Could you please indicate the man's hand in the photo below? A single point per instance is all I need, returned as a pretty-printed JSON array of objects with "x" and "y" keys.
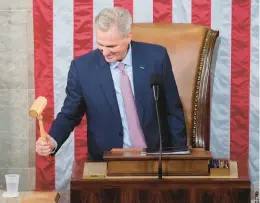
[{"x": 45, "y": 148}]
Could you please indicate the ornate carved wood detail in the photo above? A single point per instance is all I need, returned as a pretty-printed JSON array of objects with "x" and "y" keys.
[
  {"x": 201, "y": 109},
  {"x": 222, "y": 195},
  {"x": 96, "y": 196}
]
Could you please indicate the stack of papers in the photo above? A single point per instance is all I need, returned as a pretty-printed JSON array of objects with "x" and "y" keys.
[{"x": 176, "y": 150}]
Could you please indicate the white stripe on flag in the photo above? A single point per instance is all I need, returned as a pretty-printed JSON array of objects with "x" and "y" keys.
[
  {"x": 98, "y": 5},
  {"x": 142, "y": 11},
  {"x": 62, "y": 56},
  {"x": 254, "y": 99},
  {"x": 221, "y": 80},
  {"x": 181, "y": 11}
]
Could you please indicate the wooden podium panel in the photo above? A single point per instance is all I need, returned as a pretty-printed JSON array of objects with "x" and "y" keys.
[
  {"x": 152, "y": 190},
  {"x": 133, "y": 163}
]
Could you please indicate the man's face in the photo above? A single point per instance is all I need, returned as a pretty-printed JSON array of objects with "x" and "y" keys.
[{"x": 112, "y": 45}]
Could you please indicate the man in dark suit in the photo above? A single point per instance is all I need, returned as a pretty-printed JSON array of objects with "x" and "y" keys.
[{"x": 111, "y": 85}]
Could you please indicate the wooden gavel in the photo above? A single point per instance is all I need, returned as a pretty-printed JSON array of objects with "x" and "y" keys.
[{"x": 36, "y": 112}]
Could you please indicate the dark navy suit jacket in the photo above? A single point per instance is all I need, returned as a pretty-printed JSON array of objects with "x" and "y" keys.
[{"x": 90, "y": 90}]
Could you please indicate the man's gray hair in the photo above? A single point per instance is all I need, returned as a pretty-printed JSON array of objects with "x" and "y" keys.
[{"x": 114, "y": 16}]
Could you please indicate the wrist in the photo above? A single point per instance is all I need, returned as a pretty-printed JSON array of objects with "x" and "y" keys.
[{"x": 54, "y": 147}]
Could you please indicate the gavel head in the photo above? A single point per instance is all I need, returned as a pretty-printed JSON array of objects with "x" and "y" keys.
[{"x": 37, "y": 107}]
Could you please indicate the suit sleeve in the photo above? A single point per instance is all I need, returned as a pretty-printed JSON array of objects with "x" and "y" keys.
[
  {"x": 176, "y": 119},
  {"x": 72, "y": 110}
]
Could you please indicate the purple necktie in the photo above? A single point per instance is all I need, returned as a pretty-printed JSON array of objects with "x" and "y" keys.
[{"x": 134, "y": 127}]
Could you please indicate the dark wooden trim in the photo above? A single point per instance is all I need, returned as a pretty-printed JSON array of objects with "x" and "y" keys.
[
  {"x": 242, "y": 182},
  {"x": 156, "y": 190},
  {"x": 201, "y": 120}
]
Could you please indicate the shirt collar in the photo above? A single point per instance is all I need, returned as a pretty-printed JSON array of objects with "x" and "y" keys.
[{"x": 127, "y": 60}]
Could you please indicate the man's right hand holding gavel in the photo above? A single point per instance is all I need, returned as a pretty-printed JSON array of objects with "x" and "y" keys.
[{"x": 45, "y": 148}]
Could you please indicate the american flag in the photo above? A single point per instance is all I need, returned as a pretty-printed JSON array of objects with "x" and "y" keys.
[{"x": 63, "y": 30}]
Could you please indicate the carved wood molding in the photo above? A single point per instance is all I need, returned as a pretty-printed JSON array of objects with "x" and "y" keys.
[{"x": 200, "y": 123}]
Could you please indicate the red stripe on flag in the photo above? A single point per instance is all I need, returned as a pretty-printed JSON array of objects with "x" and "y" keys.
[
  {"x": 127, "y": 4},
  {"x": 162, "y": 11},
  {"x": 201, "y": 12},
  {"x": 43, "y": 63},
  {"x": 83, "y": 43},
  {"x": 240, "y": 84}
]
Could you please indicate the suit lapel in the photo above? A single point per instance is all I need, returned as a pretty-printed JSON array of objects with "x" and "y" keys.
[
  {"x": 107, "y": 85},
  {"x": 139, "y": 74}
]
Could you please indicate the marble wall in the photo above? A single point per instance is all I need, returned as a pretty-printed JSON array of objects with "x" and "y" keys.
[{"x": 17, "y": 129}]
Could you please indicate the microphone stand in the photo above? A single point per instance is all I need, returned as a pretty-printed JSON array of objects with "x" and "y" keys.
[{"x": 156, "y": 96}]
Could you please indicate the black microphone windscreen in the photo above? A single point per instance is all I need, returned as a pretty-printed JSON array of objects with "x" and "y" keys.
[{"x": 156, "y": 79}]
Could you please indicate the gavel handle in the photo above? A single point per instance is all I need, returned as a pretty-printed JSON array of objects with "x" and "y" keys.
[{"x": 42, "y": 131}]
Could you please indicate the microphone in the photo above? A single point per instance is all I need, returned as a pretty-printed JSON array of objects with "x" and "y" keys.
[{"x": 156, "y": 84}]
